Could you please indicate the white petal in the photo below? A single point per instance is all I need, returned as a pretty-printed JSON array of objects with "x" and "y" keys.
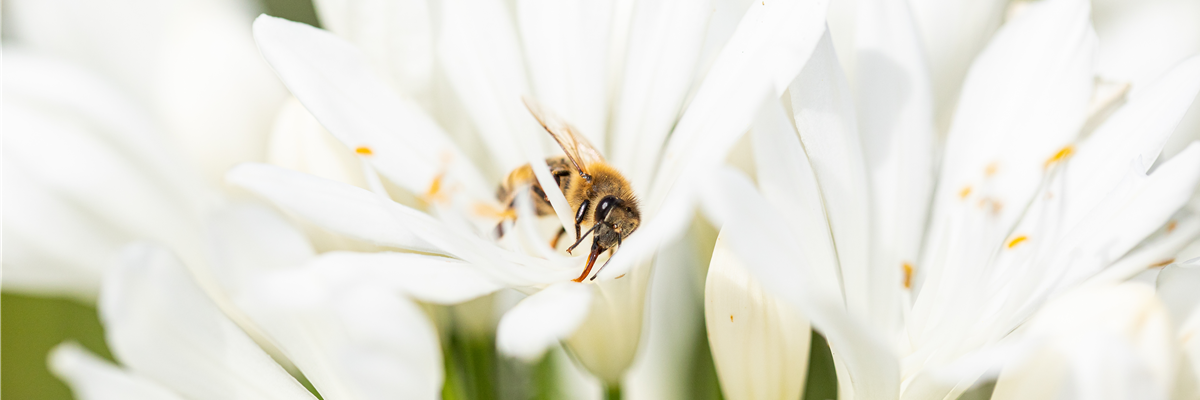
[
  {"x": 1135, "y": 132},
  {"x": 395, "y": 36},
  {"x": 760, "y": 344},
  {"x": 823, "y": 106},
  {"x": 245, "y": 240},
  {"x": 298, "y": 142},
  {"x": 542, "y": 319},
  {"x": 786, "y": 181},
  {"x": 1177, "y": 285},
  {"x": 1001, "y": 141},
  {"x": 332, "y": 80},
  {"x": 357, "y": 341},
  {"x": 1100, "y": 342},
  {"x": 161, "y": 325},
  {"x": 566, "y": 48},
  {"x": 335, "y": 206},
  {"x": 773, "y": 255},
  {"x": 894, "y": 102},
  {"x": 952, "y": 34},
  {"x": 655, "y": 75},
  {"x": 608, "y": 338},
  {"x": 212, "y": 89},
  {"x": 766, "y": 52},
  {"x": 437, "y": 280},
  {"x": 92, "y": 378},
  {"x": 480, "y": 52},
  {"x": 1139, "y": 40}
]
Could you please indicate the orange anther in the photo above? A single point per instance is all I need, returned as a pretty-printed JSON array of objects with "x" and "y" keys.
[
  {"x": 1062, "y": 154},
  {"x": 908, "y": 274},
  {"x": 1017, "y": 240},
  {"x": 363, "y": 151}
]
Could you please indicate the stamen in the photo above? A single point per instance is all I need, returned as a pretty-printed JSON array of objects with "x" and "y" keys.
[
  {"x": 730, "y": 317},
  {"x": 908, "y": 274},
  {"x": 1017, "y": 240},
  {"x": 363, "y": 151},
  {"x": 435, "y": 188},
  {"x": 1062, "y": 154},
  {"x": 1171, "y": 226},
  {"x": 964, "y": 192},
  {"x": 1162, "y": 263}
]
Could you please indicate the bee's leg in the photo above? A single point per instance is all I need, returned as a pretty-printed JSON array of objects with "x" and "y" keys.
[
  {"x": 596, "y": 250},
  {"x": 589, "y": 231},
  {"x": 579, "y": 216},
  {"x": 499, "y": 232},
  {"x": 554, "y": 242}
]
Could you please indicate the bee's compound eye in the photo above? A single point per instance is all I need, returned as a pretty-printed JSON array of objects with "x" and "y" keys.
[{"x": 604, "y": 207}]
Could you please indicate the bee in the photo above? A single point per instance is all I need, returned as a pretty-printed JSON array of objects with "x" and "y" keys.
[{"x": 600, "y": 197}]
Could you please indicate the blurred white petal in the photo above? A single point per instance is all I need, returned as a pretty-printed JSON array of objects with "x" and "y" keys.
[
  {"x": 823, "y": 106},
  {"x": 1177, "y": 285},
  {"x": 566, "y": 48},
  {"x": 953, "y": 33},
  {"x": 331, "y": 78},
  {"x": 298, "y": 142},
  {"x": 479, "y": 50},
  {"x": 1134, "y": 133},
  {"x": 655, "y": 74},
  {"x": 92, "y": 378},
  {"x": 1141, "y": 39},
  {"x": 245, "y": 240},
  {"x": 542, "y": 319},
  {"x": 354, "y": 341},
  {"x": 607, "y": 339},
  {"x": 761, "y": 352},
  {"x": 162, "y": 326},
  {"x": 395, "y": 36},
  {"x": 1101, "y": 342}
]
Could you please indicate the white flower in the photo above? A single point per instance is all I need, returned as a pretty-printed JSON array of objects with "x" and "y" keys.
[
  {"x": 116, "y": 114},
  {"x": 1025, "y": 206},
  {"x": 479, "y": 51},
  {"x": 356, "y": 337}
]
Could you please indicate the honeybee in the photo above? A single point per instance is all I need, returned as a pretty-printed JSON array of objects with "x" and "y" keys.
[{"x": 600, "y": 197}]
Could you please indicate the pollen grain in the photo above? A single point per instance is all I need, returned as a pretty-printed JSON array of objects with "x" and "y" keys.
[
  {"x": 1017, "y": 240},
  {"x": 1061, "y": 155},
  {"x": 363, "y": 151},
  {"x": 964, "y": 192},
  {"x": 908, "y": 274}
]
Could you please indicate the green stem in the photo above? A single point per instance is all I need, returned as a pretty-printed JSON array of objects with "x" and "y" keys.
[{"x": 612, "y": 392}]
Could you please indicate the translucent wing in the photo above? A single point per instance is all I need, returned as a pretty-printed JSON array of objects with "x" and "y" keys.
[{"x": 578, "y": 149}]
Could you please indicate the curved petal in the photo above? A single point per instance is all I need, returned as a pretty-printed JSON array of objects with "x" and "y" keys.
[
  {"x": 772, "y": 254},
  {"x": 161, "y": 325},
  {"x": 823, "y": 107},
  {"x": 395, "y": 36},
  {"x": 431, "y": 279},
  {"x": 760, "y": 344},
  {"x": 894, "y": 104},
  {"x": 93, "y": 378},
  {"x": 338, "y": 207},
  {"x": 332, "y": 80},
  {"x": 351, "y": 340},
  {"x": 245, "y": 240},
  {"x": 1176, "y": 287},
  {"x": 542, "y": 319}
]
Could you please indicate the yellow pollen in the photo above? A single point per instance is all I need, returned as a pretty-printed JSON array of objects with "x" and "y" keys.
[
  {"x": 1017, "y": 240},
  {"x": 1062, "y": 154},
  {"x": 964, "y": 192},
  {"x": 908, "y": 274},
  {"x": 1171, "y": 226},
  {"x": 990, "y": 169},
  {"x": 363, "y": 151}
]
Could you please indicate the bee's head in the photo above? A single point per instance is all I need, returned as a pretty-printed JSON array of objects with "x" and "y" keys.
[{"x": 616, "y": 218}]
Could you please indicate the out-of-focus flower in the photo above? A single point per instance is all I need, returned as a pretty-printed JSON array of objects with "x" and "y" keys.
[
  {"x": 116, "y": 114},
  {"x": 347, "y": 326},
  {"x": 1029, "y": 203},
  {"x": 479, "y": 51}
]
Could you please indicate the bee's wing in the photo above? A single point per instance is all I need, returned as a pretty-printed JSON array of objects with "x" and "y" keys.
[{"x": 578, "y": 149}]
